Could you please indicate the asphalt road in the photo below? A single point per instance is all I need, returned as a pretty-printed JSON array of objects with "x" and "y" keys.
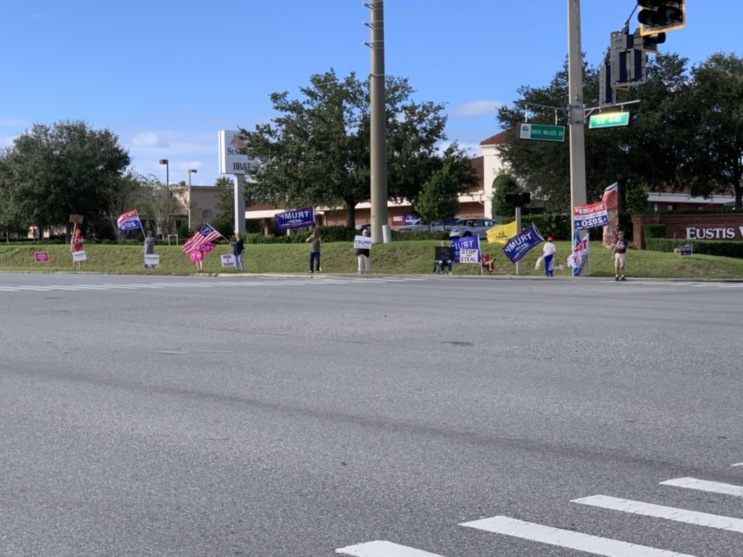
[{"x": 280, "y": 416}]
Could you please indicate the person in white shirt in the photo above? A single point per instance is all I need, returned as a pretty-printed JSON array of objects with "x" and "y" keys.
[{"x": 549, "y": 253}]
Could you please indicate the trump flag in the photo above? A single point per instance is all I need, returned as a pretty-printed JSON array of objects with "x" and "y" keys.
[{"x": 129, "y": 221}]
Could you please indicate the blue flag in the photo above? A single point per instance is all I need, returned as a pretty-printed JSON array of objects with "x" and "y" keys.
[
  {"x": 518, "y": 246},
  {"x": 467, "y": 249},
  {"x": 300, "y": 218}
]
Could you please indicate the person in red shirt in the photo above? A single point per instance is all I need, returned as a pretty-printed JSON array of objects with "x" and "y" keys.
[{"x": 77, "y": 245}]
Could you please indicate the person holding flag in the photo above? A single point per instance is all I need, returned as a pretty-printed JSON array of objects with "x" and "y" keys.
[
  {"x": 129, "y": 221},
  {"x": 202, "y": 238},
  {"x": 549, "y": 253}
]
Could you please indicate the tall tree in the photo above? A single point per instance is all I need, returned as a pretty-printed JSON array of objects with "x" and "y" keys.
[
  {"x": 504, "y": 183},
  {"x": 159, "y": 203},
  {"x": 649, "y": 151},
  {"x": 318, "y": 150},
  {"x": 63, "y": 169},
  {"x": 439, "y": 197},
  {"x": 713, "y": 104}
]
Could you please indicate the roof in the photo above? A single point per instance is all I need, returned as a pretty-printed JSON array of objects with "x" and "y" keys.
[{"x": 496, "y": 139}]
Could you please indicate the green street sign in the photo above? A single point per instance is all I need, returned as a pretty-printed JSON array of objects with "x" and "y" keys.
[
  {"x": 609, "y": 120},
  {"x": 541, "y": 132}
]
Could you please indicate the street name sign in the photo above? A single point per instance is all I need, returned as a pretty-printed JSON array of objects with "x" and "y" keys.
[
  {"x": 609, "y": 120},
  {"x": 541, "y": 132}
]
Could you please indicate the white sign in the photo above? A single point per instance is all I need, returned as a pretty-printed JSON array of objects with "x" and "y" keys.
[
  {"x": 231, "y": 158},
  {"x": 228, "y": 260},
  {"x": 362, "y": 242},
  {"x": 78, "y": 256},
  {"x": 469, "y": 255},
  {"x": 151, "y": 259}
]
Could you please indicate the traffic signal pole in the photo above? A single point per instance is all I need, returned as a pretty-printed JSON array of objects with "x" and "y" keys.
[
  {"x": 576, "y": 118},
  {"x": 378, "y": 122}
]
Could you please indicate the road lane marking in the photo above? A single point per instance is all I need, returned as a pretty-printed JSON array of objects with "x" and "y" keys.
[
  {"x": 384, "y": 549},
  {"x": 567, "y": 538},
  {"x": 703, "y": 485},
  {"x": 668, "y": 513}
]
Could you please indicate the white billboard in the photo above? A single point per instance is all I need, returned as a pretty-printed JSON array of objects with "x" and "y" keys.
[{"x": 231, "y": 158}]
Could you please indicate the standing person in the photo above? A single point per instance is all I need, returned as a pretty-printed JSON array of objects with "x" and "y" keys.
[
  {"x": 363, "y": 256},
  {"x": 620, "y": 256},
  {"x": 76, "y": 244},
  {"x": 238, "y": 247},
  {"x": 197, "y": 256},
  {"x": 149, "y": 247},
  {"x": 549, "y": 253},
  {"x": 314, "y": 240}
]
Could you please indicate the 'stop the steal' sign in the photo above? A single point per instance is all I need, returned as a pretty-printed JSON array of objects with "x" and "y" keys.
[
  {"x": 467, "y": 249},
  {"x": 590, "y": 216}
]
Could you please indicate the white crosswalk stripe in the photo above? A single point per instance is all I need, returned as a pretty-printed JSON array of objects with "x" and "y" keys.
[
  {"x": 658, "y": 511},
  {"x": 383, "y": 549},
  {"x": 569, "y": 539},
  {"x": 702, "y": 485}
]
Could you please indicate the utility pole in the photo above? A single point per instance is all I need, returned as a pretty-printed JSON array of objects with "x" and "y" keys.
[
  {"x": 576, "y": 117},
  {"x": 378, "y": 122}
]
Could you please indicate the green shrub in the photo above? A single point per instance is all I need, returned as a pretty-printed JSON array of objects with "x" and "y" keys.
[
  {"x": 706, "y": 247},
  {"x": 551, "y": 224},
  {"x": 655, "y": 231}
]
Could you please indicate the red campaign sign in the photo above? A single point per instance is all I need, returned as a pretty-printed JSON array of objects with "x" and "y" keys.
[{"x": 41, "y": 256}]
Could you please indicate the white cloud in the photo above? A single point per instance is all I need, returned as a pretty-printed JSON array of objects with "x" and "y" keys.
[
  {"x": 472, "y": 149},
  {"x": 150, "y": 140},
  {"x": 475, "y": 109}
]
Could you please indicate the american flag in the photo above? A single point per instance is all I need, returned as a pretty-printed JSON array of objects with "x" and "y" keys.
[{"x": 202, "y": 236}]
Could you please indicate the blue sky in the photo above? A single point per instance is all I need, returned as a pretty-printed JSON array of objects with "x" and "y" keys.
[{"x": 166, "y": 75}]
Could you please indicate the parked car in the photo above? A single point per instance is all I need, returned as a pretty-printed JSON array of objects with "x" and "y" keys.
[
  {"x": 472, "y": 227},
  {"x": 435, "y": 226}
]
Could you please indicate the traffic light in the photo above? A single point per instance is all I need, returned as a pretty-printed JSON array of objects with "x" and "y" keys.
[
  {"x": 627, "y": 62},
  {"x": 518, "y": 199},
  {"x": 649, "y": 43},
  {"x": 661, "y": 15}
]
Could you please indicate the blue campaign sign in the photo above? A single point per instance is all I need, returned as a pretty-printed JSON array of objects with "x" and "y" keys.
[
  {"x": 518, "y": 246},
  {"x": 300, "y": 218},
  {"x": 467, "y": 249}
]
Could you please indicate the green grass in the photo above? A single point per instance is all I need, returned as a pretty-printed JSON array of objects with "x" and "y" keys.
[{"x": 405, "y": 257}]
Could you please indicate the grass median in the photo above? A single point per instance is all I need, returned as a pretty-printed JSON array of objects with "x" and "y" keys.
[{"x": 405, "y": 257}]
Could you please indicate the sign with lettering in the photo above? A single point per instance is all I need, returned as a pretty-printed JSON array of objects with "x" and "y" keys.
[
  {"x": 466, "y": 249},
  {"x": 232, "y": 159},
  {"x": 541, "y": 132},
  {"x": 590, "y": 216},
  {"x": 151, "y": 259},
  {"x": 78, "y": 256},
  {"x": 299, "y": 218},
  {"x": 228, "y": 261},
  {"x": 41, "y": 256},
  {"x": 362, "y": 242}
]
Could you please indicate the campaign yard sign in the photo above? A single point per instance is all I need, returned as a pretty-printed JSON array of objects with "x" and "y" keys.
[
  {"x": 362, "y": 242},
  {"x": 228, "y": 261},
  {"x": 590, "y": 216},
  {"x": 78, "y": 256},
  {"x": 467, "y": 249},
  {"x": 41, "y": 256},
  {"x": 300, "y": 218},
  {"x": 151, "y": 259}
]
